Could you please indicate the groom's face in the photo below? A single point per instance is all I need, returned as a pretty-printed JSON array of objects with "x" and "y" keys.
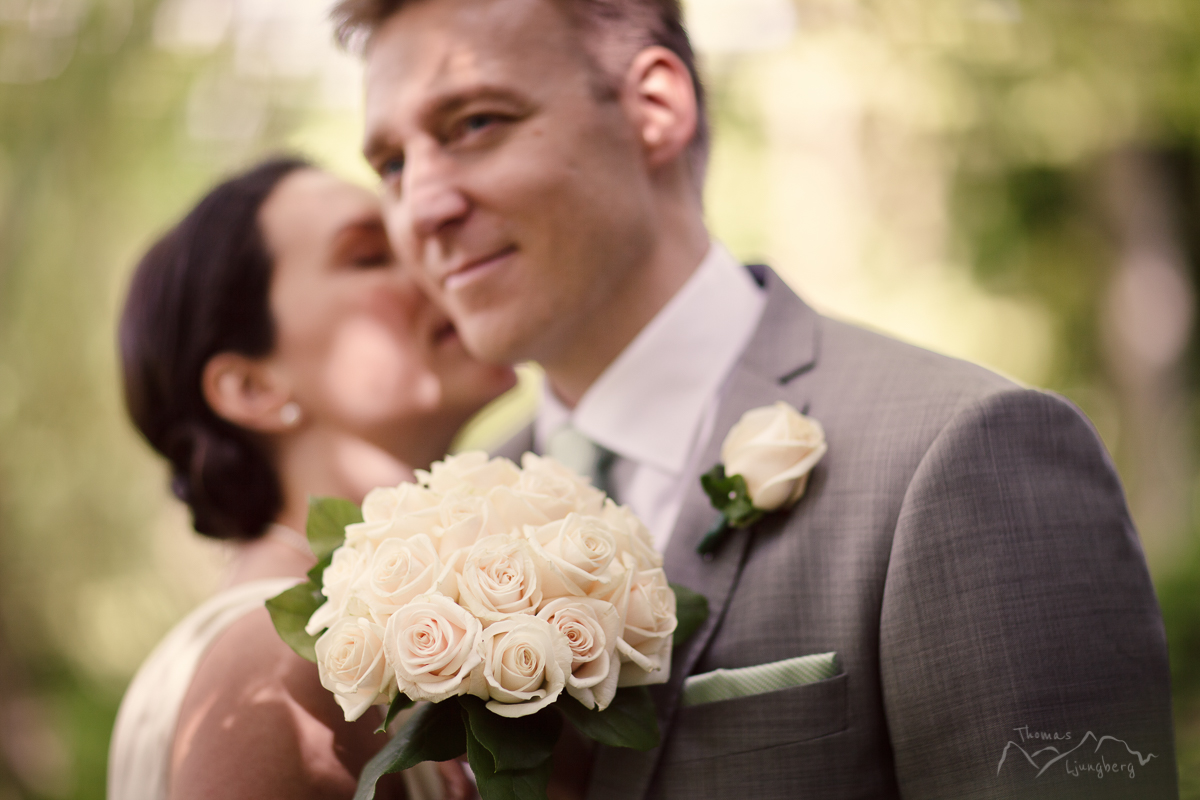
[{"x": 512, "y": 183}]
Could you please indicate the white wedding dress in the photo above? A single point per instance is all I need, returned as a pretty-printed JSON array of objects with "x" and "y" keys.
[{"x": 139, "y": 758}]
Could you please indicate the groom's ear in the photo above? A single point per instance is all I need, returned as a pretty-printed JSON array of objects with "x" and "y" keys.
[
  {"x": 245, "y": 392},
  {"x": 661, "y": 101}
]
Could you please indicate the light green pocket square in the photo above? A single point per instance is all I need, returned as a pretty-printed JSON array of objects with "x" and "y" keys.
[{"x": 726, "y": 684}]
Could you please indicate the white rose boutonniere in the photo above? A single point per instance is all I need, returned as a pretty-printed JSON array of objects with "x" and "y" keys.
[{"x": 767, "y": 457}]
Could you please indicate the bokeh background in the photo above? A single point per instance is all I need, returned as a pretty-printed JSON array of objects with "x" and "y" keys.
[{"x": 1008, "y": 181}]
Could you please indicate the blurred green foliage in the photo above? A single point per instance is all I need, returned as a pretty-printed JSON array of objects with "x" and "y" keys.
[
  {"x": 1079, "y": 85},
  {"x": 107, "y": 132},
  {"x": 95, "y": 159}
]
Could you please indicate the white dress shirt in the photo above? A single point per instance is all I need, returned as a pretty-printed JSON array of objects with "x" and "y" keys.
[{"x": 654, "y": 405}]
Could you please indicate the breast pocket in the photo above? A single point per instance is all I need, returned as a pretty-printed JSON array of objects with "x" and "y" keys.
[{"x": 745, "y": 724}]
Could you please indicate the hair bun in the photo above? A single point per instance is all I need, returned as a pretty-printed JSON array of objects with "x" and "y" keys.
[
  {"x": 230, "y": 488},
  {"x": 203, "y": 289}
]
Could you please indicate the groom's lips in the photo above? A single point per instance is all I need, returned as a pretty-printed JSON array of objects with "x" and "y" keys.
[{"x": 476, "y": 270}]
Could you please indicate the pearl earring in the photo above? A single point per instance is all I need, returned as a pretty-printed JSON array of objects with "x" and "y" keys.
[{"x": 289, "y": 415}]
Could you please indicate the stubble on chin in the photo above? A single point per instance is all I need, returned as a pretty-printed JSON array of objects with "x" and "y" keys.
[{"x": 512, "y": 333}]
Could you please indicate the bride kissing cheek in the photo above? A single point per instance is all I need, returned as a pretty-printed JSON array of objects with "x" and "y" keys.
[{"x": 274, "y": 349}]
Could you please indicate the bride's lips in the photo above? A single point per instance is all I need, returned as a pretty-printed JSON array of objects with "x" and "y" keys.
[{"x": 476, "y": 270}]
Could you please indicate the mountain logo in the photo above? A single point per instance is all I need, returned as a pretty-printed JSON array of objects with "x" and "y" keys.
[{"x": 1080, "y": 759}]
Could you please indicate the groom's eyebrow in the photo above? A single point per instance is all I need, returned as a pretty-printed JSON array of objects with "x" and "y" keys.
[
  {"x": 439, "y": 107},
  {"x": 454, "y": 101}
]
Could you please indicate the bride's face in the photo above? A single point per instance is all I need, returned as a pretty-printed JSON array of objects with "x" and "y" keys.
[{"x": 359, "y": 344}]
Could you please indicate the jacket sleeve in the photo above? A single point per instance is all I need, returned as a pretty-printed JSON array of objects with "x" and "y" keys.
[{"x": 1022, "y": 652}]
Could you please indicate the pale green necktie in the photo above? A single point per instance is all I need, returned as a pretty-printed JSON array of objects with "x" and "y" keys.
[{"x": 581, "y": 454}]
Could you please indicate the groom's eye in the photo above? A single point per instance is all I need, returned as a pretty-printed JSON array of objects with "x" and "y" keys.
[
  {"x": 474, "y": 123},
  {"x": 390, "y": 167},
  {"x": 477, "y": 122}
]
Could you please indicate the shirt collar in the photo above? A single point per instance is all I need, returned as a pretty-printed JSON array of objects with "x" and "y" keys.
[{"x": 648, "y": 404}]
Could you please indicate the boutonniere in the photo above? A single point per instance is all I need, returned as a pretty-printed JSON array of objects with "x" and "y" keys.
[{"x": 767, "y": 457}]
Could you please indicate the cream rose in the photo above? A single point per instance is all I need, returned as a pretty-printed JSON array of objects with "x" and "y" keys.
[
  {"x": 499, "y": 577},
  {"x": 380, "y": 504},
  {"x": 526, "y": 662},
  {"x": 387, "y": 503},
  {"x": 592, "y": 628},
  {"x": 650, "y": 621},
  {"x": 576, "y": 556},
  {"x": 433, "y": 645},
  {"x": 562, "y": 488},
  {"x": 632, "y": 536},
  {"x": 337, "y": 582},
  {"x": 473, "y": 470},
  {"x": 516, "y": 508},
  {"x": 774, "y": 448},
  {"x": 399, "y": 571},
  {"x": 400, "y": 513},
  {"x": 465, "y": 519},
  {"x": 352, "y": 664}
]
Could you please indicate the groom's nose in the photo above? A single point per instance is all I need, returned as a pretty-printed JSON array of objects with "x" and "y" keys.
[{"x": 434, "y": 199}]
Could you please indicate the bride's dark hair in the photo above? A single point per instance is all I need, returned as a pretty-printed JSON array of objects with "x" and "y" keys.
[{"x": 203, "y": 289}]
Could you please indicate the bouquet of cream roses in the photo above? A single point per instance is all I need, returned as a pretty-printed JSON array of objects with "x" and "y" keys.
[{"x": 507, "y": 598}]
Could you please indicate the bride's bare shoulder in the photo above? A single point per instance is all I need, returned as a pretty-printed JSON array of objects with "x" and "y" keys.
[{"x": 256, "y": 723}]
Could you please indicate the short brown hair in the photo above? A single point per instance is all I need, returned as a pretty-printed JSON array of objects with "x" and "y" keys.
[{"x": 635, "y": 24}]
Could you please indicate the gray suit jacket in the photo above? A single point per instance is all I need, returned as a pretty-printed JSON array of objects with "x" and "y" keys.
[{"x": 964, "y": 547}]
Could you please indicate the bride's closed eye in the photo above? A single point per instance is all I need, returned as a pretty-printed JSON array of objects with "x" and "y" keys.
[{"x": 363, "y": 246}]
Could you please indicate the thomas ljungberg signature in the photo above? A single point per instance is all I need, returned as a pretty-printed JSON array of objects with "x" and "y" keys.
[{"x": 1083, "y": 758}]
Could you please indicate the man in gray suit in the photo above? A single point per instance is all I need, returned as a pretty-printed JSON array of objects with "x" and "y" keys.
[{"x": 963, "y": 549}]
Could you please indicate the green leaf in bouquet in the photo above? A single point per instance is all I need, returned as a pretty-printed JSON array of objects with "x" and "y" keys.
[
  {"x": 513, "y": 784},
  {"x": 435, "y": 732},
  {"x": 629, "y": 720},
  {"x": 327, "y": 521},
  {"x": 514, "y": 744},
  {"x": 316, "y": 575},
  {"x": 399, "y": 703},
  {"x": 691, "y": 610},
  {"x": 290, "y": 612}
]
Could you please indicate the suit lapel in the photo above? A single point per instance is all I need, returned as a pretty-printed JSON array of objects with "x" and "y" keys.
[{"x": 783, "y": 347}]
